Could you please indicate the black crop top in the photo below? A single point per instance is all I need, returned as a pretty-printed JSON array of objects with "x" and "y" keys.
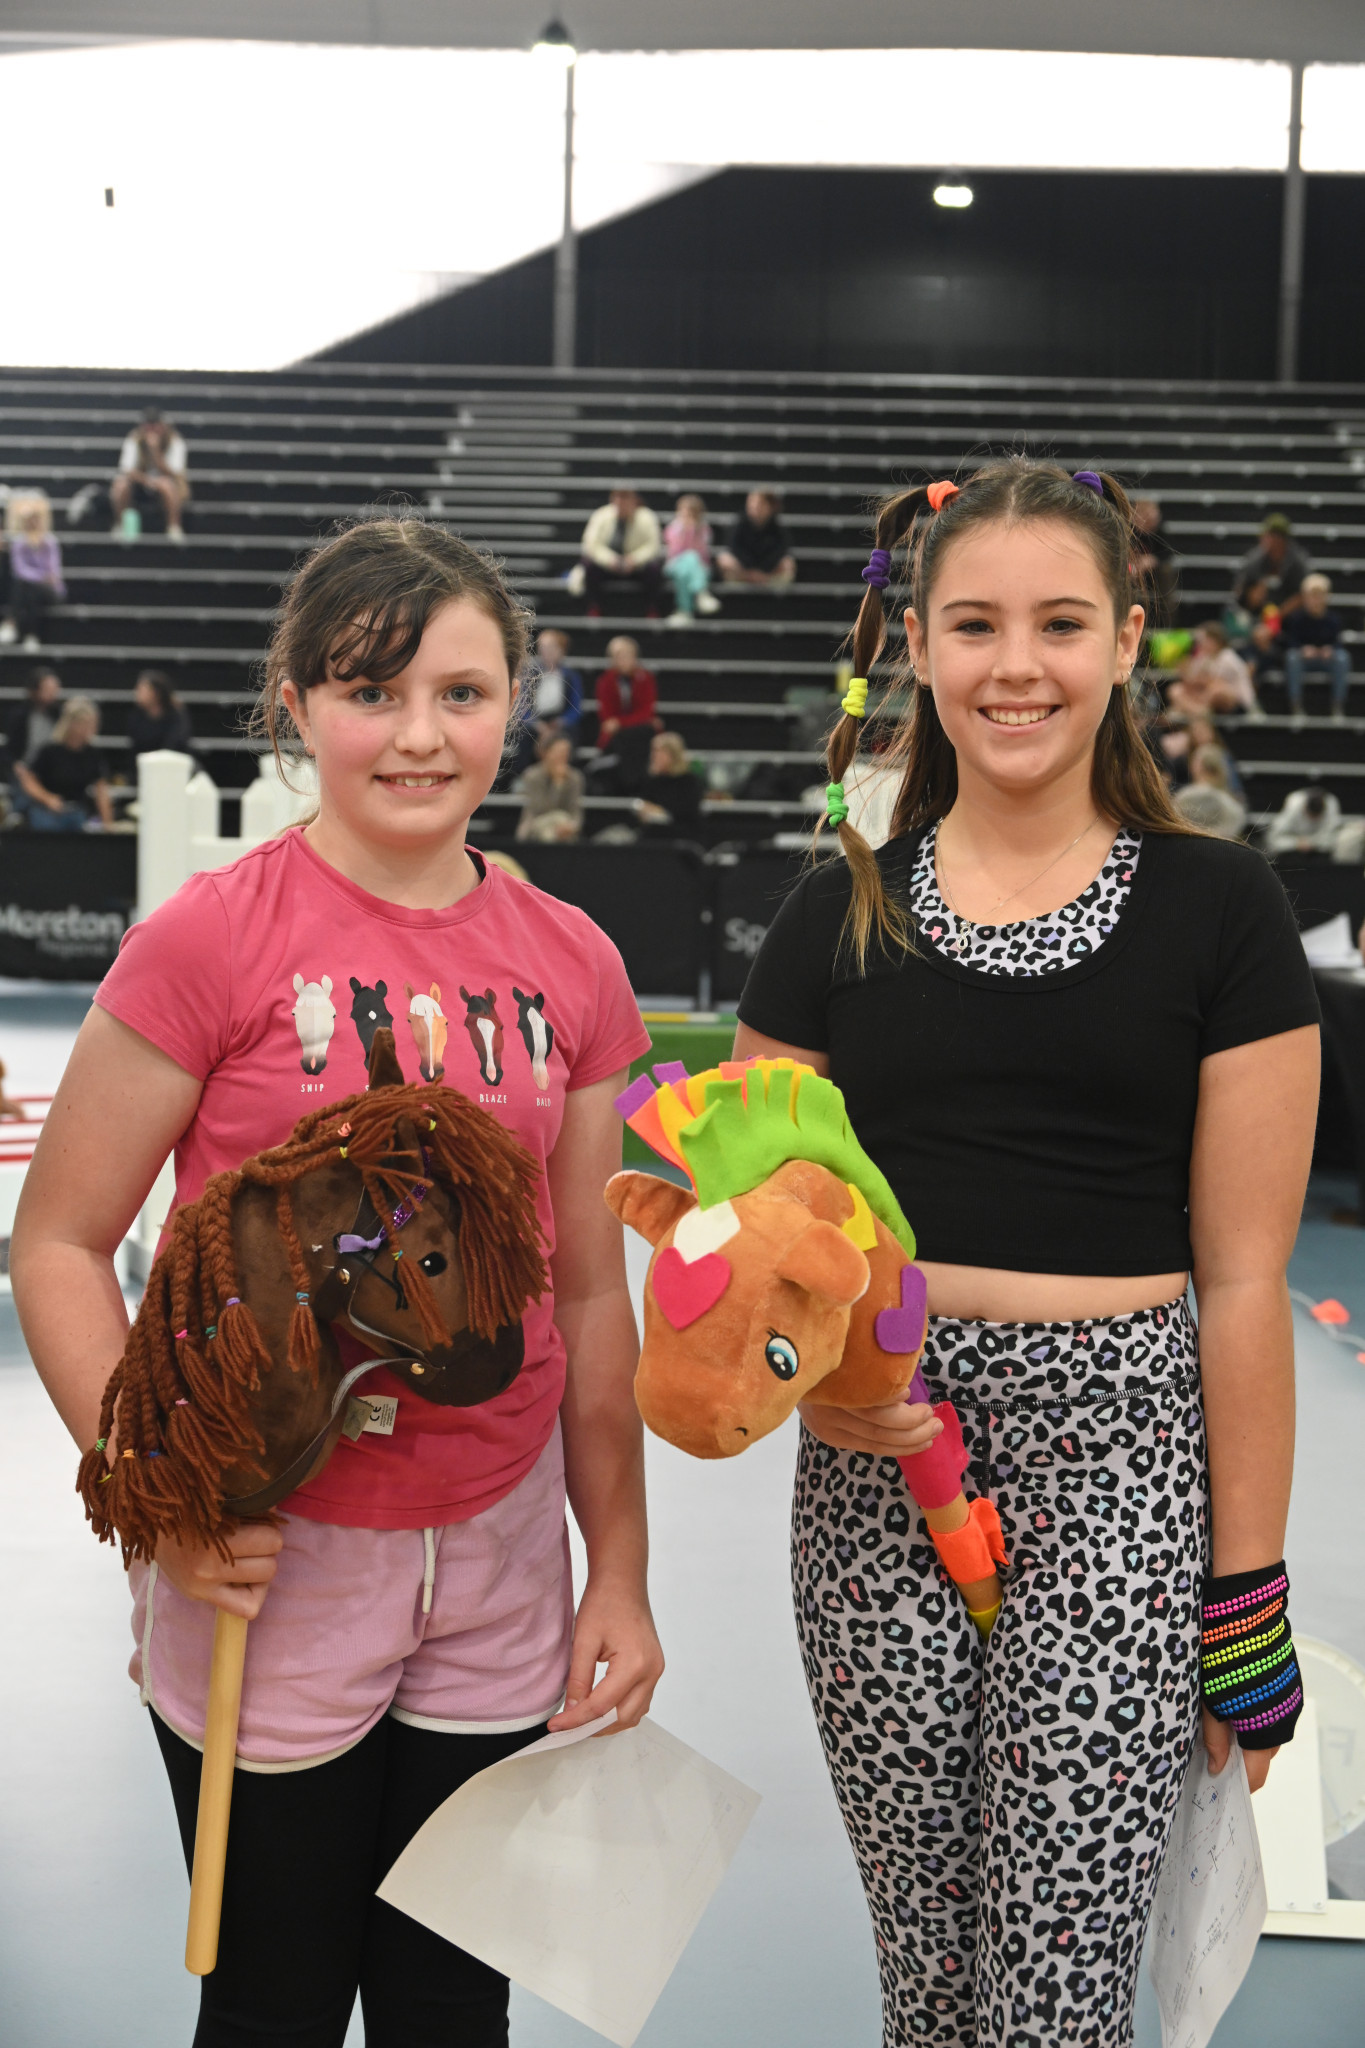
[{"x": 1042, "y": 1124}]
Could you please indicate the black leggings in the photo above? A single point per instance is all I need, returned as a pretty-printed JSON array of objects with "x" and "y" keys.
[{"x": 302, "y": 1929}]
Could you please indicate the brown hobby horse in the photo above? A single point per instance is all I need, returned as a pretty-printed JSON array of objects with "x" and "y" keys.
[{"x": 406, "y": 1216}]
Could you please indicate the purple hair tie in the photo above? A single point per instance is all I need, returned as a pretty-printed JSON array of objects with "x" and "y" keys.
[
  {"x": 878, "y": 570},
  {"x": 1090, "y": 480}
]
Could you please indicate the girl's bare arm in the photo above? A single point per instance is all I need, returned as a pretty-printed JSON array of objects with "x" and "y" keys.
[
  {"x": 114, "y": 1121},
  {"x": 1253, "y": 1142},
  {"x": 603, "y": 1437}
]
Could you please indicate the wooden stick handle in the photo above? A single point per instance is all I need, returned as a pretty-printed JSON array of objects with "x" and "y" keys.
[{"x": 215, "y": 1792}]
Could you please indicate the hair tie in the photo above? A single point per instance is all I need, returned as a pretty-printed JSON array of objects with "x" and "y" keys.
[
  {"x": 303, "y": 1298},
  {"x": 938, "y": 494},
  {"x": 854, "y": 700},
  {"x": 1091, "y": 481},
  {"x": 836, "y": 810},
  {"x": 877, "y": 574},
  {"x": 100, "y": 1442}
]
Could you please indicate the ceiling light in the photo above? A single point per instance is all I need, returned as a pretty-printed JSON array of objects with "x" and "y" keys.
[
  {"x": 555, "y": 44},
  {"x": 952, "y": 195}
]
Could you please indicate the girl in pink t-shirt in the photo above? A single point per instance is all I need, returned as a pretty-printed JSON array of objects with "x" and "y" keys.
[{"x": 412, "y": 1613}]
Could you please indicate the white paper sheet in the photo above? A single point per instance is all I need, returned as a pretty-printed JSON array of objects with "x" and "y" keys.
[
  {"x": 1210, "y": 1903},
  {"x": 579, "y": 1868},
  {"x": 1330, "y": 944}
]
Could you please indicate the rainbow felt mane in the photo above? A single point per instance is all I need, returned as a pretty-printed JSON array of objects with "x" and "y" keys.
[{"x": 731, "y": 1127}]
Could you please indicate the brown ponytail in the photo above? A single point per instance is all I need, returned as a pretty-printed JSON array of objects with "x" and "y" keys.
[{"x": 1125, "y": 781}]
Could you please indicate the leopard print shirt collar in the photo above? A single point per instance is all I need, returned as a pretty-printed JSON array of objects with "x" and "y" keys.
[{"x": 1035, "y": 945}]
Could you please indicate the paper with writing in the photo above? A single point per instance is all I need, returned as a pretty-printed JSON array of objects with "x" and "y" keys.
[
  {"x": 579, "y": 1868},
  {"x": 1210, "y": 1902}
]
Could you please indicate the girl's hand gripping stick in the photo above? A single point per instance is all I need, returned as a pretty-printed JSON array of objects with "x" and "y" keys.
[{"x": 966, "y": 1535}]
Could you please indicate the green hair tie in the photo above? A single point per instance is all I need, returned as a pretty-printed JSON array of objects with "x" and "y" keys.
[{"x": 836, "y": 810}]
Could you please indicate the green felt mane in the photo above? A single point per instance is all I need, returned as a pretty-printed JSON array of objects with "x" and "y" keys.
[{"x": 735, "y": 1144}]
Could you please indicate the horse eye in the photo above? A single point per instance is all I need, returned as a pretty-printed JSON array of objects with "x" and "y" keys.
[
  {"x": 780, "y": 1353},
  {"x": 433, "y": 1263}
]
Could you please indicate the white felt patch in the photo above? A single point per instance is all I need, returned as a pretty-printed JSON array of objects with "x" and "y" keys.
[{"x": 705, "y": 1230}]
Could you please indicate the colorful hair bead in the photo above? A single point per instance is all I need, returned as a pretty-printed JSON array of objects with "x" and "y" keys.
[
  {"x": 343, "y": 1151},
  {"x": 854, "y": 701},
  {"x": 303, "y": 1298},
  {"x": 836, "y": 809},
  {"x": 181, "y": 1335},
  {"x": 182, "y": 1402},
  {"x": 343, "y": 1130},
  {"x": 212, "y": 1330},
  {"x": 100, "y": 1442}
]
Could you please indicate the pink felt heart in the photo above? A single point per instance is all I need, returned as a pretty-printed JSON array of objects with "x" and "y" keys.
[{"x": 686, "y": 1290}]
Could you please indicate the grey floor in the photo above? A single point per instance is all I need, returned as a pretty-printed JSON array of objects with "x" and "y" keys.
[{"x": 92, "y": 1889}]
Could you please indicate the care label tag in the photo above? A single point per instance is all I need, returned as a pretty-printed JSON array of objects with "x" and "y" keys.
[{"x": 383, "y": 1409}]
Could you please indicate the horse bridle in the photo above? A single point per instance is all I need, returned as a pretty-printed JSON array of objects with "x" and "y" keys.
[{"x": 358, "y": 1247}]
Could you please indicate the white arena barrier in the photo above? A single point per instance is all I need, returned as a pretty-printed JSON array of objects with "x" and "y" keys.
[
  {"x": 178, "y": 835},
  {"x": 18, "y": 1136},
  {"x": 178, "y": 826}
]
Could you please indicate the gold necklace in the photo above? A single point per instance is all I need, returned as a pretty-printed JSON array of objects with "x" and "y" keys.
[{"x": 1001, "y": 901}]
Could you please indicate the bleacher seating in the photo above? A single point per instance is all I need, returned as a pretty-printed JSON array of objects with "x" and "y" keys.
[{"x": 516, "y": 458}]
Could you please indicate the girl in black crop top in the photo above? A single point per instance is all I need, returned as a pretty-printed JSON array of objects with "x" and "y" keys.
[{"x": 1081, "y": 1042}]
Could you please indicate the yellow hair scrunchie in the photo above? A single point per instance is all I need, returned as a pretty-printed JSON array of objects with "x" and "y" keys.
[{"x": 855, "y": 698}]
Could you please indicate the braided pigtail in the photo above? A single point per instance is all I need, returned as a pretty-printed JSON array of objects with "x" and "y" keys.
[{"x": 870, "y": 909}]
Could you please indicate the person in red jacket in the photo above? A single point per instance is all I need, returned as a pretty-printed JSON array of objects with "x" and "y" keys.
[{"x": 627, "y": 711}]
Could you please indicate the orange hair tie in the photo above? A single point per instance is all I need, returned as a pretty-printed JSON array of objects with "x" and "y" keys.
[{"x": 939, "y": 494}]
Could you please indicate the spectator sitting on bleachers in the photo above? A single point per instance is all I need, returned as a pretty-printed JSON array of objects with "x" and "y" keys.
[
  {"x": 31, "y": 724},
  {"x": 35, "y": 568},
  {"x": 756, "y": 549},
  {"x": 552, "y": 794},
  {"x": 1307, "y": 823},
  {"x": 1277, "y": 562},
  {"x": 687, "y": 565},
  {"x": 1154, "y": 562},
  {"x": 1310, "y": 643},
  {"x": 66, "y": 786},
  {"x": 1213, "y": 678},
  {"x": 153, "y": 464},
  {"x": 627, "y": 697},
  {"x": 556, "y": 690},
  {"x": 621, "y": 544},
  {"x": 1206, "y": 800},
  {"x": 670, "y": 799},
  {"x": 158, "y": 719}
]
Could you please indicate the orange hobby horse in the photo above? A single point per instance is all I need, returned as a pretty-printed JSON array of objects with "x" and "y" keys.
[{"x": 785, "y": 1267}]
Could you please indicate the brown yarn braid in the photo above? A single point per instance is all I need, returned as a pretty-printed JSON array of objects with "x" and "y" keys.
[{"x": 183, "y": 1404}]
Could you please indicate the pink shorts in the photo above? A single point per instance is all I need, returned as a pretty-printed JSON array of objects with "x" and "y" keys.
[{"x": 465, "y": 1629}]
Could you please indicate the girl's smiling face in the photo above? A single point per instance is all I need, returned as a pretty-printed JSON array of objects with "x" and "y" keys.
[
  {"x": 1021, "y": 650},
  {"x": 405, "y": 763}
]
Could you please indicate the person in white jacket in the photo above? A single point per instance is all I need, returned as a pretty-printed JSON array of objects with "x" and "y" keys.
[{"x": 621, "y": 544}]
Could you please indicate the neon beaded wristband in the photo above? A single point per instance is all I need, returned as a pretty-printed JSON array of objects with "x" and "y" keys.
[{"x": 1249, "y": 1671}]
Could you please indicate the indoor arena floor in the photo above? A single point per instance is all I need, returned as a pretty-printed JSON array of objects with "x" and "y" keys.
[{"x": 92, "y": 1887}]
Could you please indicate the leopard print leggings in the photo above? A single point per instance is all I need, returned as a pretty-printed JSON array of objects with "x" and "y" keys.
[{"x": 1009, "y": 1803}]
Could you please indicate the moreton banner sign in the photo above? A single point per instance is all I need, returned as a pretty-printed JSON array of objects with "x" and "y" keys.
[{"x": 65, "y": 902}]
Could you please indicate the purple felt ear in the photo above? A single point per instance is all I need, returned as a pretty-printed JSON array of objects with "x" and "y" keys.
[
  {"x": 630, "y": 1099},
  {"x": 903, "y": 1329}
]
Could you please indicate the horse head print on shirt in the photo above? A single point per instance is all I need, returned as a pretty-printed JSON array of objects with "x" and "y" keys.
[
  {"x": 538, "y": 1036},
  {"x": 369, "y": 1012},
  {"x": 315, "y": 1020},
  {"x": 427, "y": 1023},
  {"x": 484, "y": 1025}
]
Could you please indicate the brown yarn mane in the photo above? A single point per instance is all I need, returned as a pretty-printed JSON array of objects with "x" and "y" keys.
[{"x": 183, "y": 1402}]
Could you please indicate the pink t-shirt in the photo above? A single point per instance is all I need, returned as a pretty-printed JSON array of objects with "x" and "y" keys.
[{"x": 266, "y": 980}]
